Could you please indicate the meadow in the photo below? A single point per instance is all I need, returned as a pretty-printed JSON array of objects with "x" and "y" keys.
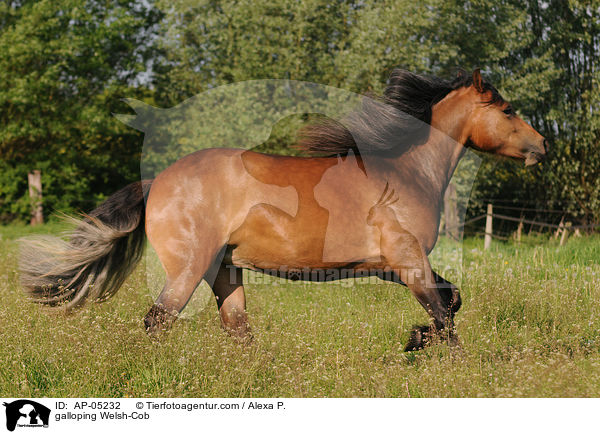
[{"x": 529, "y": 327}]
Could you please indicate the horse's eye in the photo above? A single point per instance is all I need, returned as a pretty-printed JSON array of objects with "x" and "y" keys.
[{"x": 508, "y": 110}]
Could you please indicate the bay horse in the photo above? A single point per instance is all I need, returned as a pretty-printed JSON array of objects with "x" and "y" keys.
[{"x": 217, "y": 211}]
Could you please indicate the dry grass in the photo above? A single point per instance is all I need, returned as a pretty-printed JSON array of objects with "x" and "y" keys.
[{"x": 529, "y": 326}]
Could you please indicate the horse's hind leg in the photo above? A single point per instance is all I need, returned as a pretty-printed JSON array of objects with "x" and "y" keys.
[
  {"x": 184, "y": 273},
  {"x": 176, "y": 293},
  {"x": 228, "y": 288},
  {"x": 172, "y": 299}
]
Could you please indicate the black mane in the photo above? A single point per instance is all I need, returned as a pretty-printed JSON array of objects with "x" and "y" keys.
[{"x": 395, "y": 121}]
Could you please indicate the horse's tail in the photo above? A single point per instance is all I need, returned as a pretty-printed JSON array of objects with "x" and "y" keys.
[{"x": 94, "y": 260}]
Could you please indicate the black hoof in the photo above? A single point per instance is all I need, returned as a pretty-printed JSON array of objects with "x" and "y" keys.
[
  {"x": 454, "y": 342},
  {"x": 243, "y": 339},
  {"x": 419, "y": 337},
  {"x": 241, "y": 334},
  {"x": 158, "y": 320}
]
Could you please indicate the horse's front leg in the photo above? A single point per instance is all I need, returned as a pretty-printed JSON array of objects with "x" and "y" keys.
[
  {"x": 451, "y": 300},
  {"x": 449, "y": 293},
  {"x": 411, "y": 265}
]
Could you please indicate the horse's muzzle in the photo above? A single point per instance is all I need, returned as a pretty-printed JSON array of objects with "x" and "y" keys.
[
  {"x": 534, "y": 158},
  {"x": 536, "y": 154}
]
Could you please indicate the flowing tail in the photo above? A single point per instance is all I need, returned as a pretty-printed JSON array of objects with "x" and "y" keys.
[{"x": 94, "y": 260}]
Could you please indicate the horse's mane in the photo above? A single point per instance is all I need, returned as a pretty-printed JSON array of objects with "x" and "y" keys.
[{"x": 395, "y": 121}]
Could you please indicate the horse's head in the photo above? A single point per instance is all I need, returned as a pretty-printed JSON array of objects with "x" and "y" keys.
[{"x": 494, "y": 127}]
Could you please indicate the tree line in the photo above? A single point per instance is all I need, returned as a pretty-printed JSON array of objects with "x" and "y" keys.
[{"x": 66, "y": 65}]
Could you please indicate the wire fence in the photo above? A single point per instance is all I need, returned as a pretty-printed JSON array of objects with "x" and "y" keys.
[{"x": 492, "y": 230}]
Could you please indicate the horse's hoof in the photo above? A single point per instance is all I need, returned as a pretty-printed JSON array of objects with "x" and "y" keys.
[
  {"x": 243, "y": 338},
  {"x": 454, "y": 344},
  {"x": 241, "y": 334},
  {"x": 419, "y": 337},
  {"x": 157, "y": 320}
]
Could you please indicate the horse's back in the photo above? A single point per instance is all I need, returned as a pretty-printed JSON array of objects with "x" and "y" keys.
[{"x": 209, "y": 193}]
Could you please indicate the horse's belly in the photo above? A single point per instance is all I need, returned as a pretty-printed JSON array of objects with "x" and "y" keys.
[{"x": 272, "y": 239}]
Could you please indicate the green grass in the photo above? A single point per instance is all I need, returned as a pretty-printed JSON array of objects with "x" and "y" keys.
[
  {"x": 529, "y": 326},
  {"x": 12, "y": 232}
]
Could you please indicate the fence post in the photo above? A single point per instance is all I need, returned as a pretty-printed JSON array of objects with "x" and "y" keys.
[
  {"x": 34, "y": 179},
  {"x": 560, "y": 229},
  {"x": 520, "y": 229},
  {"x": 488, "y": 228},
  {"x": 531, "y": 227},
  {"x": 565, "y": 233}
]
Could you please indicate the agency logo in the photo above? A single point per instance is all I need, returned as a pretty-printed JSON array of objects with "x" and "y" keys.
[{"x": 26, "y": 413}]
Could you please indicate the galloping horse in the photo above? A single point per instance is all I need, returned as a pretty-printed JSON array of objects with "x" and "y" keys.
[{"x": 218, "y": 211}]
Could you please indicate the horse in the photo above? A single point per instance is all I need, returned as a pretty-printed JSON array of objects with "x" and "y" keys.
[{"x": 218, "y": 211}]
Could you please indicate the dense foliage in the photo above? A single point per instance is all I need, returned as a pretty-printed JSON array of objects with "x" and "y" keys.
[{"x": 65, "y": 64}]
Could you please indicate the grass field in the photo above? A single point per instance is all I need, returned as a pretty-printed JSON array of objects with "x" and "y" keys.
[{"x": 529, "y": 326}]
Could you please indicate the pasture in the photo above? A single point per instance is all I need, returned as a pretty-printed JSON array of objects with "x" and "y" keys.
[{"x": 529, "y": 327}]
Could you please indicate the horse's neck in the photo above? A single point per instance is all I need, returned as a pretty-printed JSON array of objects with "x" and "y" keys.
[
  {"x": 430, "y": 166},
  {"x": 445, "y": 154},
  {"x": 437, "y": 158}
]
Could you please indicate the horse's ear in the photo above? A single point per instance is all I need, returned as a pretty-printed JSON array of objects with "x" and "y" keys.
[{"x": 477, "y": 80}]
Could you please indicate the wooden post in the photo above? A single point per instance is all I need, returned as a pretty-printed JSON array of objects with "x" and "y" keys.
[
  {"x": 520, "y": 229},
  {"x": 531, "y": 227},
  {"x": 35, "y": 193},
  {"x": 451, "y": 212},
  {"x": 565, "y": 233},
  {"x": 561, "y": 226},
  {"x": 488, "y": 228}
]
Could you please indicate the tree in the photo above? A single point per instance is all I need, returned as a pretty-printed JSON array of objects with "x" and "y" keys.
[
  {"x": 551, "y": 74},
  {"x": 570, "y": 36},
  {"x": 65, "y": 64},
  {"x": 209, "y": 43}
]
